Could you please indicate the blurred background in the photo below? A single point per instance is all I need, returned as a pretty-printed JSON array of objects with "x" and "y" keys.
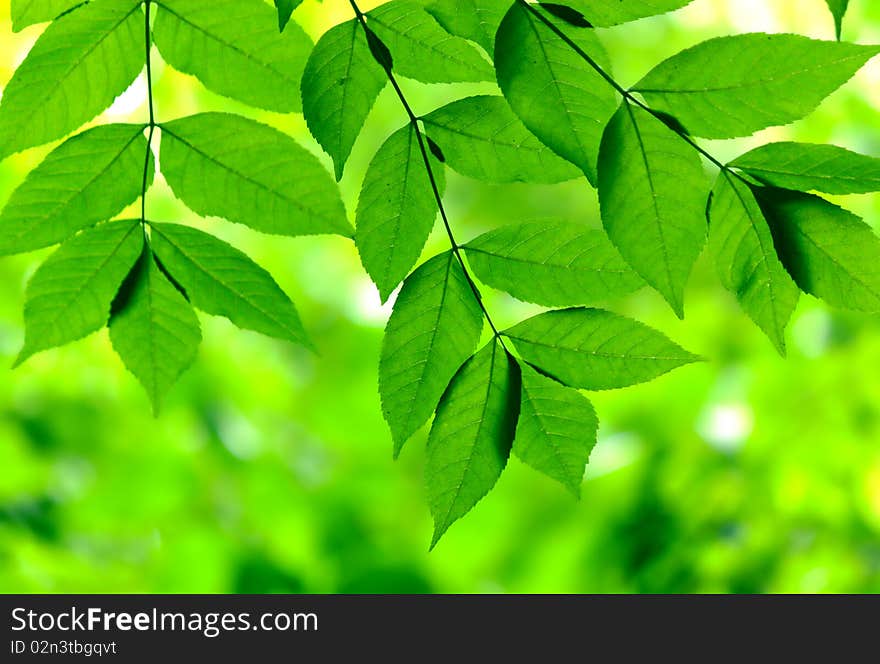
[{"x": 270, "y": 469}]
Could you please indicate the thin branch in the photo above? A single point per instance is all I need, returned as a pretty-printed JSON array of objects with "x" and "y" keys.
[{"x": 148, "y": 41}]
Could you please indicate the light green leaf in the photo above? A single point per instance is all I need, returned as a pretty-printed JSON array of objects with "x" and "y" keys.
[
  {"x": 735, "y": 86},
  {"x": 423, "y": 50},
  {"x": 552, "y": 263},
  {"x": 556, "y": 431},
  {"x": 229, "y": 166},
  {"x": 154, "y": 329},
  {"x": 746, "y": 260},
  {"x": 339, "y": 87},
  {"x": 829, "y": 251},
  {"x": 29, "y": 12},
  {"x": 396, "y": 210},
  {"x": 483, "y": 139},
  {"x": 477, "y": 20},
  {"x": 69, "y": 296},
  {"x": 233, "y": 48},
  {"x": 434, "y": 328},
  {"x": 472, "y": 435},
  {"x": 78, "y": 66},
  {"x": 614, "y": 12},
  {"x": 556, "y": 94},
  {"x": 838, "y": 10},
  {"x": 594, "y": 349},
  {"x": 806, "y": 166},
  {"x": 285, "y": 10},
  {"x": 89, "y": 178},
  {"x": 221, "y": 280},
  {"x": 652, "y": 190}
]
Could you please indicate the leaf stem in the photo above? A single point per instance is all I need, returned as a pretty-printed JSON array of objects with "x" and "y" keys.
[
  {"x": 414, "y": 122},
  {"x": 148, "y": 41}
]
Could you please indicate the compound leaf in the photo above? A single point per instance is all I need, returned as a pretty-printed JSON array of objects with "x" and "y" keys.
[
  {"x": 396, "y": 210},
  {"x": 154, "y": 329},
  {"x": 434, "y": 328},
  {"x": 746, "y": 259},
  {"x": 28, "y": 12},
  {"x": 829, "y": 251},
  {"x": 556, "y": 431},
  {"x": 477, "y": 20},
  {"x": 78, "y": 66},
  {"x": 472, "y": 435},
  {"x": 734, "y": 86},
  {"x": 482, "y": 138},
  {"x": 87, "y": 179},
  {"x": 595, "y": 349},
  {"x": 807, "y": 166},
  {"x": 69, "y": 296},
  {"x": 552, "y": 263},
  {"x": 652, "y": 191},
  {"x": 229, "y": 166},
  {"x": 220, "y": 280},
  {"x": 233, "y": 48},
  {"x": 339, "y": 87},
  {"x": 423, "y": 50},
  {"x": 556, "y": 94}
]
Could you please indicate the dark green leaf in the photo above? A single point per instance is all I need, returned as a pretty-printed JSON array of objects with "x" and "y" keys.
[
  {"x": 829, "y": 252},
  {"x": 552, "y": 263},
  {"x": 553, "y": 90},
  {"x": 233, "y": 48},
  {"x": 594, "y": 349},
  {"x": 78, "y": 66},
  {"x": 556, "y": 431},
  {"x": 28, "y": 12},
  {"x": 154, "y": 329},
  {"x": 89, "y": 178},
  {"x": 396, "y": 210},
  {"x": 228, "y": 166},
  {"x": 746, "y": 260},
  {"x": 838, "y": 10},
  {"x": 422, "y": 49},
  {"x": 69, "y": 296},
  {"x": 435, "y": 327},
  {"x": 477, "y": 20},
  {"x": 765, "y": 80},
  {"x": 483, "y": 139},
  {"x": 221, "y": 280},
  {"x": 285, "y": 10},
  {"x": 472, "y": 435},
  {"x": 339, "y": 87},
  {"x": 805, "y": 166},
  {"x": 652, "y": 191}
]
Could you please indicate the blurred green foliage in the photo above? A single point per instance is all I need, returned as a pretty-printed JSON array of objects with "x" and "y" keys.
[{"x": 270, "y": 469}]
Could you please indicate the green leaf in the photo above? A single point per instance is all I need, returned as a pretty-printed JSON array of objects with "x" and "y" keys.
[
  {"x": 221, "y": 280},
  {"x": 483, "y": 139},
  {"x": 614, "y": 12},
  {"x": 422, "y": 49},
  {"x": 765, "y": 80},
  {"x": 285, "y": 10},
  {"x": 556, "y": 94},
  {"x": 838, "y": 10},
  {"x": 89, "y": 178},
  {"x": 434, "y": 328},
  {"x": 233, "y": 48},
  {"x": 29, "y": 12},
  {"x": 472, "y": 435},
  {"x": 556, "y": 431},
  {"x": 829, "y": 251},
  {"x": 339, "y": 87},
  {"x": 552, "y": 263},
  {"x": 154, "y": 329},
  {"x": 746, "y": 260},
  {"x": 806, "y": 166},
  {"x": 652, "y": 191},
  {"x": 477, "y": 20},
  {"x": 594, "y": 349},
  {"x": 228, "y": 166},
  {"x": 396, "y": 210},
  {"x": 69, "y": 296},
  {"x": 78, "y": 66}
]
